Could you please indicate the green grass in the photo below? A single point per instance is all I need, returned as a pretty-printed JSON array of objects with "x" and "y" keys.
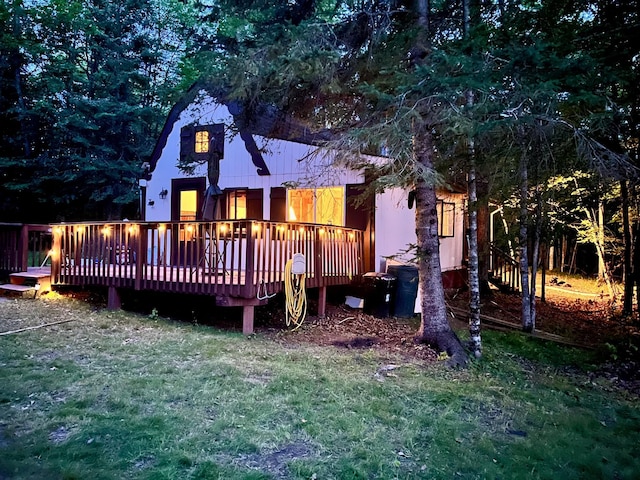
[{"x": 123, "y": 396}]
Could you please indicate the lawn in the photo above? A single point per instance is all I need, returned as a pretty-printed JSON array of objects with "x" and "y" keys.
[{"x": 118, "y": 395}]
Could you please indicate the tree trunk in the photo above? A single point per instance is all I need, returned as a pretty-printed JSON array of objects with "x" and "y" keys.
[
  {"x": 627, "y": 303},
  {"x": 434, "y": 327},
  {"x": 527, "y": 321},
  {"x": 602, "y": 267},
  {"x": 484, "y": 250},
  {"x": 474, "y": 278},
  {"x": 535, "y": 255},
  {"x": 597, "y": 223},
  {"x": 635, "y": 256}
]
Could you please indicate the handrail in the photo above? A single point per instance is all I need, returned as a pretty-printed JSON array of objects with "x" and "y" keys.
[
  {"x": 223, "y": 258},
  {"x": 505, "y": 269},
  {"x": 23, "y": 245}
]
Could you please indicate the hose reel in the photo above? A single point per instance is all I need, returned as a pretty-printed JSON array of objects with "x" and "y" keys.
[{"x": 294, "y": 289}]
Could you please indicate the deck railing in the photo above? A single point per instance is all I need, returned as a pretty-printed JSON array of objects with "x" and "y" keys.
[
  {"x": 243, "y": 258},
  {"x": 23, "y": 246},
  {"x": 505, "y": 270}
]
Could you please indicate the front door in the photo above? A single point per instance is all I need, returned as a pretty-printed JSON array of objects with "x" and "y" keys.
[{"x": 187, "y": 195}]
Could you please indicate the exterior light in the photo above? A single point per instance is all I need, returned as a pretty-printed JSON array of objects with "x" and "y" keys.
[
  {"x": 162, "y": 227},
  {"x": 106, "y": 231},
  {"x": 163, "y": 193}
]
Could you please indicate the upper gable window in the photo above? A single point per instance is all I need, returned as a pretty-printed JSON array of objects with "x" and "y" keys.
[
  {"x": 198, "y": 143},
  {"x": 202, "y": 141}
]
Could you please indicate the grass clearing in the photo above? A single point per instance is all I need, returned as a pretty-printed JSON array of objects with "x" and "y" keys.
[{"x": 118, "y": 395}]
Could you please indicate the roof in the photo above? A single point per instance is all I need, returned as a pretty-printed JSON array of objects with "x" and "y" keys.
[{"x": 264, "y": 120}]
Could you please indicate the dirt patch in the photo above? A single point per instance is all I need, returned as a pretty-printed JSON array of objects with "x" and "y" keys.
[
  {"x": 275, "y": 462},
  {"x": 61, "y": 434},
  {"x": 348, "y": 328}
]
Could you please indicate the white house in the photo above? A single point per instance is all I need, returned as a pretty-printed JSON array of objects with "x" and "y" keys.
[{"x": 273, "y": 170}]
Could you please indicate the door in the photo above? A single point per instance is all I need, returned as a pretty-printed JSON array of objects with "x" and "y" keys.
[{"x": 187, "y": 195}]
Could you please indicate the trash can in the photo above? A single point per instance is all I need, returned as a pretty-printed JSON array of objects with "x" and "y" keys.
[
  {"x": 378, "y": 293},
  {"x": 406, "y": 289}
]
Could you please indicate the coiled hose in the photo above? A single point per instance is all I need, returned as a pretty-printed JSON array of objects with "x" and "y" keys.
[{"x": 295, "y": 296}]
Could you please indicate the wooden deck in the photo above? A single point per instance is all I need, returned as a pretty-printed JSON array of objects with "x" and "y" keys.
[{"x": 237, "y": 262}]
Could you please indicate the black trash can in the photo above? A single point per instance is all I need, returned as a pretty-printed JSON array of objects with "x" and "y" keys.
[
  {"x": 406, "y": 289},
  {"x": 378, "y": 293}
]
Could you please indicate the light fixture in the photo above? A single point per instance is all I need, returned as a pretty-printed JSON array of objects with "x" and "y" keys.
[
  {"x": 163, "y": 193},
  {"x": 151, "y": 203}
]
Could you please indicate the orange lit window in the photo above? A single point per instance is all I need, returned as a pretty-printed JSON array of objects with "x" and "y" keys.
[
  {"x": 202, "y": 141},
  {"x": 237, "y": 205},
  {"x": 188, "y": 205},
  {"x": 319, "y": 205}
]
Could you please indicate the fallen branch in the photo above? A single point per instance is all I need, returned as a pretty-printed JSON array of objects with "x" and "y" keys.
[
  {"x": 503, "y": 324},
  {"x": 10, "y": 332}
]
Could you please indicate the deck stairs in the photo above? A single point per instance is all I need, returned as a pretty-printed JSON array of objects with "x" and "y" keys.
[
  {"x": 504, "y": 271},
  {"x": 30, "y": 284}
]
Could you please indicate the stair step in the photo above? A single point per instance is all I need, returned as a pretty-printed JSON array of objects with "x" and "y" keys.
[
  {"x": 17, "y": 288},
  {"x": 34, "y": 278},
  {"x": 36, "y": 275}
]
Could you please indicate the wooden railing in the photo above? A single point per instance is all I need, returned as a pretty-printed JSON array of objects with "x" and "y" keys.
[
  {"x": 242, "y": 258},
  {"x": 505, "y": 270},
  {"x": 23, "y": 246}
]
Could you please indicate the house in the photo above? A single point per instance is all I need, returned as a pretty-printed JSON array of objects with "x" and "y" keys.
[
  {"x": 270, "y": 168},
  {"x": 227, "y": 200}
]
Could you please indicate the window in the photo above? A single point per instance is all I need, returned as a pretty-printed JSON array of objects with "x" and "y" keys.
[
  {"x": 446, "y": 218},
  {"x": 188, "y": 205},
  {"x": 202, "y": 141},
  {"x": 237, "y": 205},
  {"x": 316, "y": 205}
]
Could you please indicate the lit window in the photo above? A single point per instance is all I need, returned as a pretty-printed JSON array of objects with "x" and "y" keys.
[
  {"x": 237, "y": 205},
  {"x": 446, "y": 218},
  {"x": 202, "y": 141},
  {"x": 320, "y": 205},
  {"x": 188, "y": 205}
]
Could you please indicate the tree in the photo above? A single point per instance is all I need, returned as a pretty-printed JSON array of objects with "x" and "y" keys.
[
  {"x": 369, "y": 70},
  {"x": 89, "y": 102}
]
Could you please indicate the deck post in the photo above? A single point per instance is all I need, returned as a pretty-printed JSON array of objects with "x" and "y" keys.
[
  {"x": 114, "y": 302},
  {"x": 249, "y": 289},
  {"x": 318, "y": 260},
  {"x": 322, "y": 301},
  {"x": 23, "y": 249},
  {"x": 140, "y": 253},
  {"x": 247, "y": 319}
]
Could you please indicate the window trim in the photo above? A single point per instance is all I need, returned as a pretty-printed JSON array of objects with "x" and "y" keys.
[
  {"x": 232, "y": 196},
  {"x": 441, "y": 211}
]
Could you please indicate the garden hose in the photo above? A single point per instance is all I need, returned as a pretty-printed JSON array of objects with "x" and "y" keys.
[{"x": 295, "y": 296}]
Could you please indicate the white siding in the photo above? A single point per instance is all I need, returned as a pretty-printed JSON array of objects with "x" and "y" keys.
[{"x": 287, "y": 162}]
